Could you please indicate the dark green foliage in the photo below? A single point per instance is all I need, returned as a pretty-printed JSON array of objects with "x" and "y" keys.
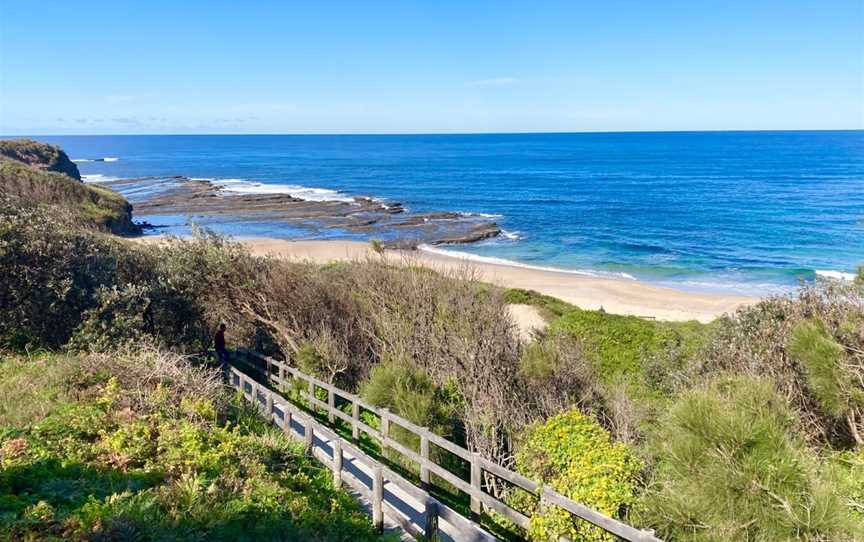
[
  {"x": 728, "y": 468},
  {"x": 410, "y": 393},
  {"x": 61, "y": 281}
]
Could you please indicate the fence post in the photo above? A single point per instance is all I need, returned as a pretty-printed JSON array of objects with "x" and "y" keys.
[
  {"x": 431, "y": 528},
  {"x": 385, "y": 429},
  {"x": 337, "y": 463},
  {"x": 311, "y": 395},
  {"x": 331, "y": 405},
  {"x": 476, "y": 504},
  {"x": 269, "y": 405},
  {"x": 424, "y": 455},
  {"x": 309, "y": 435},
  {"x": 286, "y": 420},
  {"x": 378, "y": 499},
  {"x": 355, "y": 417},
  {"x": 255, "y": 402},
  {"x": 281, "y": 375}
]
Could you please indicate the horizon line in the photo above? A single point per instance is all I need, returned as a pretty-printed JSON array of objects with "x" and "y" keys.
[{"x": 562, "y": 132}]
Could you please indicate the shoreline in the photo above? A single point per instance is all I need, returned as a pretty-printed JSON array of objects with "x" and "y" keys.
[{"x": 616, "y": 296}]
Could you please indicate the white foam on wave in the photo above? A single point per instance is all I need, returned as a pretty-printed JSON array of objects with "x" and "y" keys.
[
  {"x": 512, "y": 263},
  {"x": 512, "y": 235},
  {"x": 106, "y": 159},
  {"x": 470, "y": 214},
  {"x": 835, "y": 275},
  {"x": 97, "y": 178},
  {"x": 242, "y": 186}
]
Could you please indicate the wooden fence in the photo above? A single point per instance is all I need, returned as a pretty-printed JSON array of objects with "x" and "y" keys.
[{"x": 281, "y": 375}]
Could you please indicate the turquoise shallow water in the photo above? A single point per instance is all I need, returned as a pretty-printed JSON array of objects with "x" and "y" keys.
[{"x": 752, "y": 212}]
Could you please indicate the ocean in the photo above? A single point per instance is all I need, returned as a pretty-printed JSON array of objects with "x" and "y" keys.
[{"x": 744, "y": 212}]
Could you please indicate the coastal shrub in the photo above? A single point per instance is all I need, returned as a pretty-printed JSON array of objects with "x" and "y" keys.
[
  {"x": 52, "y": 273},
  {"x": 622, "y": 345},
  {"x": 141, "y": 459},
  {"x": 779, "y": 339},
  {"x": 573, "y": 454},
  {"x": 557, "y": 375},
  {"x": 828, "y": 378},
  {"x": 405, "y": 391},
  {"x": 728, "y": 467},
  {"x": 90, "y": 206}
]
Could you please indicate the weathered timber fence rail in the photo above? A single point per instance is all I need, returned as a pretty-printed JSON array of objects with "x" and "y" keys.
[
  {"x": 281, "y": 375},
  {"x": 361, "y": 472}
]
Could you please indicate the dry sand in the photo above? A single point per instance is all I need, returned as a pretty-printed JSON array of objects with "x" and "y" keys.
[{"x": 618, "y": 296}]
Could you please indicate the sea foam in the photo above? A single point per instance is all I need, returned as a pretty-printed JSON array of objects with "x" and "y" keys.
[
  {"x": 97, "y": 178},
  {"x": 512, "y": 263},
  {"x": 106, "y": 159},
  {"x": 835, "y": 275},
  {"x": 243, "y": 186}
]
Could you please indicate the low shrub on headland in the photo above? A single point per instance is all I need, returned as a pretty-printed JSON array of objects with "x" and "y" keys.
[{"x": 88, "y": 205}]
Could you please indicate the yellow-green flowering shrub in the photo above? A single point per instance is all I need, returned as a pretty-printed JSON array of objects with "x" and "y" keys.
[{"x": 574, "y": 455}]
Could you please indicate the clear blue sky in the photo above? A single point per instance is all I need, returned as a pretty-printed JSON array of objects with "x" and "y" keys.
[{"x": 214, "y": 66}]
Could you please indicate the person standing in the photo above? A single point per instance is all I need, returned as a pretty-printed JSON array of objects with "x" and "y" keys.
[{"x": 219, "y": 344}]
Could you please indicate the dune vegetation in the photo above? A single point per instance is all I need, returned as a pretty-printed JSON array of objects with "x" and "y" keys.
[
  {"x": 34, "y": 174},
  {"x": 748, "y": 428}
]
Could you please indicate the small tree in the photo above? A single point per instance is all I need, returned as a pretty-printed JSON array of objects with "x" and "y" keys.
[{"x": 728, "y": 468}]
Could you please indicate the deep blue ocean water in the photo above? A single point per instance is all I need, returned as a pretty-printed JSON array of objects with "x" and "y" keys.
[{"x": 752, "y": 212}]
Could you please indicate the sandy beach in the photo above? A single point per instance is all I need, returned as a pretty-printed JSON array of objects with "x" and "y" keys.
[{"x": 618, "y": 296}]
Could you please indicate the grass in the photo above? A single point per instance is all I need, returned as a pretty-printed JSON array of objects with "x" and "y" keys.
[
  {"x": 32, "y": 387},
  {"x": 109, "y": 455}
]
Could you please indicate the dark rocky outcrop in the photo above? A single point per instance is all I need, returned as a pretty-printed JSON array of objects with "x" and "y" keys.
[
  {"x": 390, "y": 221},
  {"x": 39, "y": 155}
]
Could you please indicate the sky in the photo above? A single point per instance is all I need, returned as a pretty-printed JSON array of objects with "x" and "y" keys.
[{"x": 128, "y": 67}]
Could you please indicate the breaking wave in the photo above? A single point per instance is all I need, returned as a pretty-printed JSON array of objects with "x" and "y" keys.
[{"x": 512, "y": 263}]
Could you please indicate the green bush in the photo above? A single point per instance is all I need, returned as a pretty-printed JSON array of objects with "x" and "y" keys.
[
  {"x": 824, "y": 361},
  {"x": 727, "y": 467},
  {"x": 407, "y": 392},
  {"x": 89, "y": 206},
  {"x": 573, "y": 454},
  {"x": 810, "y": 346},
  {"x": 621, "y": 345}
]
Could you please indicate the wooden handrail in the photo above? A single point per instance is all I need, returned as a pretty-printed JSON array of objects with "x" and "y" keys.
[
  {"x": 478, "y": 464},
  {"x": 273, "y": 405}
]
